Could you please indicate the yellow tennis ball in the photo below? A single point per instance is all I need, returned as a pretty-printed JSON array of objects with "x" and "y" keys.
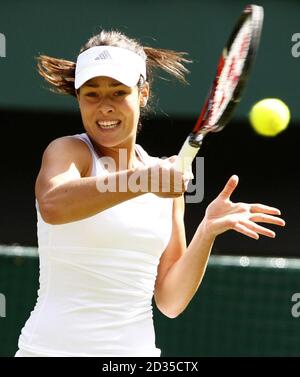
[{"x": 269, "y": 116}]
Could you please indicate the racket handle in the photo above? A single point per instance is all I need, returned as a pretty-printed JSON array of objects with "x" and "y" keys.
[{"x": 186, "y": 156}]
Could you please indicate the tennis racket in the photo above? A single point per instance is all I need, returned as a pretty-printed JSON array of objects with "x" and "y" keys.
[{"x": 231, "y": 77}]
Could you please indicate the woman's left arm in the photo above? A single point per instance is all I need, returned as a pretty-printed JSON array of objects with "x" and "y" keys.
[{"x": 181, "y": 269}]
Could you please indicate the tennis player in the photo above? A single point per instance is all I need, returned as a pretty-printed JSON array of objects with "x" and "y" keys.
[{"x": 104, "y": 254}]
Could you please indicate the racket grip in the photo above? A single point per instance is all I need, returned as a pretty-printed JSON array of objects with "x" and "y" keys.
[{"x": 186, "y": 156}]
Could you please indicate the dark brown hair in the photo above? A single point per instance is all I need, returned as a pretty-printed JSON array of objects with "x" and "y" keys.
[{"x": 60, "y": 73}]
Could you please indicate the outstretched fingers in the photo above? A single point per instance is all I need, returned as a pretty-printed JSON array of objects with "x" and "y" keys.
[
  {"x": 229, "y": 187},
  {"x": 246, "y": 231},
  {"x": 269, "y": 219},
  {"x": 251, "y": 229},
  {"x": 262, "y": 208},
  {"x": 258, "y": 228}
]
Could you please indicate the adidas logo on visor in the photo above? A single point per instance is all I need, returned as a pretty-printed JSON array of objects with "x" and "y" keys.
[{"x": 103, "y": 56}]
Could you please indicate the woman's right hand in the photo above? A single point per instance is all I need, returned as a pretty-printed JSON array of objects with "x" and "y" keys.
[{"x": 165, "y": 181}]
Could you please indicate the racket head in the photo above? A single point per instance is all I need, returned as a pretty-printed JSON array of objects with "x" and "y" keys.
[{"x": 232, "y": 73}]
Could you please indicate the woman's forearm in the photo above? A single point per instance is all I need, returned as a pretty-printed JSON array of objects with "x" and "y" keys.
[
  {"x": 184, "y": 277},
  {"x": 82, "y": 197}
]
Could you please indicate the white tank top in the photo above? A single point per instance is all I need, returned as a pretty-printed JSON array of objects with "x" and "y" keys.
[{"x": 97, "y": 279}]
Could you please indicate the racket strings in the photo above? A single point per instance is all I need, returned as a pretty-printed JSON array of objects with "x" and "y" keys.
[{"x": 228, "y": 78}]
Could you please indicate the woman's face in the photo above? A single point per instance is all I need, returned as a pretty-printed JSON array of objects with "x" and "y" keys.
[{"x": 110, "y": 111}]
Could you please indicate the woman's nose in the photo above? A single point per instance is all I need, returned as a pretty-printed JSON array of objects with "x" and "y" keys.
[{"x": 105, "y": 107}]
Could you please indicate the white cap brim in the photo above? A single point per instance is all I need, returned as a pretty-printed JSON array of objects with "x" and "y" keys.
[{"x": 120, "y": 64}]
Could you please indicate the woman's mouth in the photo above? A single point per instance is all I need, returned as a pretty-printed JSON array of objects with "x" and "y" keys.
[{"x": 108, "y": 124}]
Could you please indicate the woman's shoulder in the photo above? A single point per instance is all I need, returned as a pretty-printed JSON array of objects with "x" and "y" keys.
[
  {"x": 68, "y": 148},
  {"x": 68, "y": 143},
  {"x": 64, "y": 151}
]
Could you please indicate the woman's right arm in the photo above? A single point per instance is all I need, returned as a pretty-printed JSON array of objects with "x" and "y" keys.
[{"x": 65, "y": 194}]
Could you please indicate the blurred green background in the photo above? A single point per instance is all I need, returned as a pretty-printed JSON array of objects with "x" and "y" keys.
[{"x": 60, "y": 28}]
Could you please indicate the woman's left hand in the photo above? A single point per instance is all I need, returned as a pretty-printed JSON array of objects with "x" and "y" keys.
[{"x": 222, "y": 215}]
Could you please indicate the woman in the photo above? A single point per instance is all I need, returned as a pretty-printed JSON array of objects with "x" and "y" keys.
[{"x": 110, "y": 229}]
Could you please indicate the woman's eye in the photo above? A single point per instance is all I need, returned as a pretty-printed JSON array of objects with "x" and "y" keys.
[
  {"x": 91, "y": 94},
  {"x": 120, "y": 93}
]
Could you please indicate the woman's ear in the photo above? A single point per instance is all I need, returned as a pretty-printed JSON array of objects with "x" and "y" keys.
[{"x": 144, "y": 94}]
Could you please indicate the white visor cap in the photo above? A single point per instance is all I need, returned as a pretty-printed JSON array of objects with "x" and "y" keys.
[{"x": 118, "y": 63}]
